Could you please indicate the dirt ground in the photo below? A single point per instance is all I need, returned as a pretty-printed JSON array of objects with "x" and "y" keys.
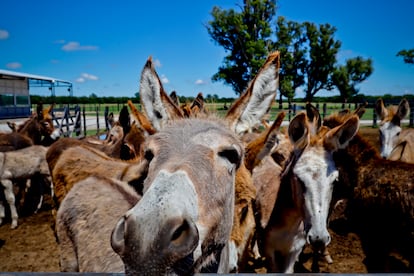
[{"x": 32, "y": 246}]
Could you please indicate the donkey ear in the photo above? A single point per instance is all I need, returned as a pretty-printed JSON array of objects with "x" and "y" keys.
[
  {"x": 260, "y": 147},
  {"x": 403, "y": 109},
  {"x": 157, "y": 104},
  {"x": 142, "y": 119},
  {"x": 360, "y": 110},
  {"x": 12, "y": 126},
  {"x": 256, "y": 101},
  {"x": 299, "y": 131},
  {"x": 314, "y": 117},
  {"x": 339, "y": 137},
  {"x": 380, "y": 109}
]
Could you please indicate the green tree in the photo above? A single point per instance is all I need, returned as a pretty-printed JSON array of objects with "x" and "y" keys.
[
  {"x": 348, "y": 76},
  {"x": 407, "y": 55},
  {"x": 321, "y": 58},
  {"x": 246, "y": 37},
  {"x": 290, "y": 44}
]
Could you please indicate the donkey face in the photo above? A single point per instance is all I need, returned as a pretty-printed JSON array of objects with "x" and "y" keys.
[
  {"x": 314, "y": 172},
  {"x": 184, "y": 219},
  {"x": 390, "y": 124}
]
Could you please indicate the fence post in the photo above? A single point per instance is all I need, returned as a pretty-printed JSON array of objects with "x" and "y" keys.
[
  {"x": 106, "y": 113},
  {"x": 294, "y": 109},
  {"x": 84, "y": 121},
  {"x": 290, "y": 111},
  {"x": 78, "y": 122},
  {"x": 67, "y": 114},
  {"x": 97, "y": 120},
  {"x": 324, "y": 110},
  {"x": 374, "y": 123}
]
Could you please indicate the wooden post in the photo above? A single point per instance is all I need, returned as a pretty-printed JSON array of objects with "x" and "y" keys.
[
  {"x": 67, "y": 114},
  {"x": 84, "y": 121},
  {"x": 78, "y": 123},
  {"x": 290, "y": 111},
  {"x": 374, "y": 123},
  {"x": 97, "y": 120},
  {"x": 324, "y": 110},
  {"x": 106, "y": 113}
]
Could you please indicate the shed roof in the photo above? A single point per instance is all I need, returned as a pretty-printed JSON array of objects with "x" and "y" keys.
[{"x": 6, "y": 74}]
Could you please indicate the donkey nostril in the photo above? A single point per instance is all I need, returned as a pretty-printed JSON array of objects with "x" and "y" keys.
[{"x": 180, "y": 232}]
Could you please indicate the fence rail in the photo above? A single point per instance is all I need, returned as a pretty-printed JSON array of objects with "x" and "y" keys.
[{"x": 92, "y": 119}]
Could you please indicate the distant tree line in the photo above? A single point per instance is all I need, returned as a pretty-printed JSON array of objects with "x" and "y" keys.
[{"x": 358, "y": 98}]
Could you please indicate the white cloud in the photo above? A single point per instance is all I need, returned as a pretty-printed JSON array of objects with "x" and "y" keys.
[
  {"x": 157, "y": 63},
  {"x": 87, "y": 76},
  {"x": 4, "y": 34},
  {"x": 80, "y": 80},
  {"x": 75, "y": 46},
  {"x": 199, "y": 82},
  {"x": 13, "y": 65},
  {"x": 164, "y": 79}
]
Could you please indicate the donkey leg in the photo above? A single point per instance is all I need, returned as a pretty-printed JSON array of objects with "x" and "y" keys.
[{"x": 9, "y": 195}]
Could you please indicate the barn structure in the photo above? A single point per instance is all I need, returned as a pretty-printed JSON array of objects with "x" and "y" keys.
[{"x": 15, "y": 91}]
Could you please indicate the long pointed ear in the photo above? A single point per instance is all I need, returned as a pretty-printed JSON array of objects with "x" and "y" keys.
[
  {"x": 142, "y": 119},
  {"x": 259, "y": 148},
  {"x": 360, "y": 110},
  {"x": 339, "y": 137},
  {"x": 157, "y": 105},
  {"x": 174, "y": 98},
  {"x": 255, "y": 102},
  {"x": 299, "y": 132},
  {"x": 380, "y": 109},
  {"x": 12, "y": 126},
  {"x": 314, "y": 118},
  {"x": 403, "y": 109}
]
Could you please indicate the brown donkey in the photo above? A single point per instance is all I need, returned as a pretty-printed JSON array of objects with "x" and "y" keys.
[{"x": 380, "y": 196}]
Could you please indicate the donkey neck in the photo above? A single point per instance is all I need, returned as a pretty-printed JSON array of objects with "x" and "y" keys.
[
  {"x": 32, "y": 129},
  {"x": 288, "y": 206}
]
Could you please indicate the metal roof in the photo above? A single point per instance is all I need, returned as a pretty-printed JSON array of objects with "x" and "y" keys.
[{"x": 13, "y": 74}]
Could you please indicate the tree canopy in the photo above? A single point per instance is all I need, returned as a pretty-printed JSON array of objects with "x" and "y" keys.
[
  {"x": 246, "y": 37},
  {"x": 308, "y": 51},
  {"x": 407, "y": 55}
]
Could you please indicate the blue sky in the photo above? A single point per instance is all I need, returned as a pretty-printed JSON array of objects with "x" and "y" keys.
[{"x": 101, "y": 46}]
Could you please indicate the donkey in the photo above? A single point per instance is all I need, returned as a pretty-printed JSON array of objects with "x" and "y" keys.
[
  {"x": 20, "y": 164},
  {"x": 380, "y": 196},
  {"x": 182, "y": 225},
  {"x": 396, "y": 143},
  {"x": 39, "y": 127},
  {"x": 78, "y": 161},
  {"x": 193, "y": 240},
  {"x": 36, "y": 130},
  {"x": 84, "y": 236},
  {"x": 301, "y": 208}
]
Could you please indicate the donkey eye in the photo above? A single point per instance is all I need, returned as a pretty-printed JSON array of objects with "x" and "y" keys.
[
  {"x": 398, "y": 134},
  {"x": 232, "y": 155},
  {"x": 148, "y": 155}
]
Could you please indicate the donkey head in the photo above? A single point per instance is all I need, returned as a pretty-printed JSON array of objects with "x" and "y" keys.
[
  {"x": 188, "y": 200},
  {"x": 390, "y": 128},
  {"x": 313, "y": 173}
]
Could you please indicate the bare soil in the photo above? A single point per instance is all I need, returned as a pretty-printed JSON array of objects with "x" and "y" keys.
[{"x": 32, "y": 246}]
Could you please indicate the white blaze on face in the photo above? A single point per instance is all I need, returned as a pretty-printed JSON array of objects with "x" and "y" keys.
[
  {"x": 389, "y": 134},
  {"x": 317, "y": 172}
]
